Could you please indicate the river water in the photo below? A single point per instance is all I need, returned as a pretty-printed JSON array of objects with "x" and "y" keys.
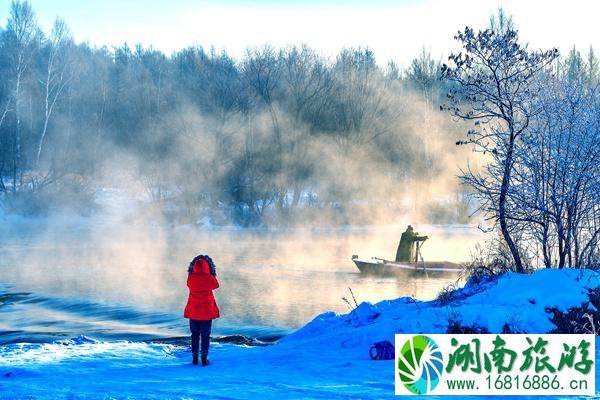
[{"x": 127, "y": 281}]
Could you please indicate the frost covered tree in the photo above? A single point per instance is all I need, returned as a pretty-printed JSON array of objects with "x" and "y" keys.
[
  {"x": 306, "y": 81},
  {"x": 21, "y": 39},
  {"x": 255, "y": 138},
  {"x": 593, "y": 67},
  {"x": 493, "y": 82},
  {"x": 557, "y": 182},
  {"x": 58, "y": 74},
  {"x": 424, "y": 74}
]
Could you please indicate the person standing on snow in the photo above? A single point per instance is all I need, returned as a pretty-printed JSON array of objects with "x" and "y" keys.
[{"x": 201, "y": 307}]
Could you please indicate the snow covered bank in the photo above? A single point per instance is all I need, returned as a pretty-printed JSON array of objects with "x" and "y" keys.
[
  {"x": 327, "y": 358},
  {"x": 518, "y": 301}
]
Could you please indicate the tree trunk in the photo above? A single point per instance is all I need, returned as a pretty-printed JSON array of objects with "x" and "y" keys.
[
  {"x": 41, "y": 142},
  {"x": 17, "y": 137},
  {"x": 546, "y": 246},
  {"x": 502, "y": 209}
]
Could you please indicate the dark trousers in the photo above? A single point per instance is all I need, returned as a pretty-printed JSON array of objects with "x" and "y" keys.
[{"x": 200, "y": 329}]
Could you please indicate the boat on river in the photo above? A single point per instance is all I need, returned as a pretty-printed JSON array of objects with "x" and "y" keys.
[{"x": 379, "y": 266}]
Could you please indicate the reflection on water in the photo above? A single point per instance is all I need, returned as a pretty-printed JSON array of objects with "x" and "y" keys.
[{"x": 115, "y": 283}]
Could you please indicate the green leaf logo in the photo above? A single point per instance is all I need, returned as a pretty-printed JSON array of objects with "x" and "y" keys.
[{"x": 420, "y": 364}]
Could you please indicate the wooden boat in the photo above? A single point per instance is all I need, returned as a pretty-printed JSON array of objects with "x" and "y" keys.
[{"x": 379, "y": 266}]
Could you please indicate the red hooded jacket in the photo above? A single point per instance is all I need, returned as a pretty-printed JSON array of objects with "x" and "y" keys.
[{"x": 201, "y": 302}]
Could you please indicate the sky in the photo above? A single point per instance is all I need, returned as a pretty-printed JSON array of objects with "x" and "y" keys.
[{"x": 395, "y": 30}]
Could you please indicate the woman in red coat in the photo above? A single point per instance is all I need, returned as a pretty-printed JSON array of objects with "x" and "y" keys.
[{"x": 201, "y": 307}]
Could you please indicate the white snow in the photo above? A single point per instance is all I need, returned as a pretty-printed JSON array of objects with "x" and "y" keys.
[{"x": 327, "y": 358}]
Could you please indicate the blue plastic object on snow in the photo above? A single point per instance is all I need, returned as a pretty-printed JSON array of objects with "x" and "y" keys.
[{"x": 382, "y": 351}]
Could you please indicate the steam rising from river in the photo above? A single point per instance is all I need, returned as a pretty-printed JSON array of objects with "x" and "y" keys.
[
  {"x": 129, "y": 251},
  {"x": 270, "y": 278}
]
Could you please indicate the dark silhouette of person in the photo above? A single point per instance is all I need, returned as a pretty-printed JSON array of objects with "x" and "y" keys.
[
  {"x": 406, "y": 248},
  {"x": 201, "y": 307}
]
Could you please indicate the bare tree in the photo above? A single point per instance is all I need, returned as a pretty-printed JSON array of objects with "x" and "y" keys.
[
  {"x": 306, "y": 85},
  {"x": 261, "y": 71},
  {"x": 58, "y": 74},
  {"x": 424, "y": 73},
  {"x": 261, "y": 74},
  {"x": 363, "y": 109},
  {"x": 6, "y": 110},
  {"x": 493, "y": 86},
  {"x": 558, "y": 179},
  {"x": 22, "y": 34}
]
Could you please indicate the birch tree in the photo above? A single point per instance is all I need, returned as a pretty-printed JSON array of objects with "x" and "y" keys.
[
  {"x": 21, "y": 35},
  {"x": 58, "y": 74}
]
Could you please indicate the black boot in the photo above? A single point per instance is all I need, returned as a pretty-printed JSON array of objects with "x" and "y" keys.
[
  {"x": 195, "y": 359},
  {"x": 205, "y": 361}
]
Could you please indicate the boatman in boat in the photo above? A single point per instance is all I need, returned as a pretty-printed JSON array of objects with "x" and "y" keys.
[{"x": 406, "y": 248}]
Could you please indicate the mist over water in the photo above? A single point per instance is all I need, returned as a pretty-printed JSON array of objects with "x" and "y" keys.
[
  {"x": 127, "y": 280},
  {"x": 143, "y": 146}
]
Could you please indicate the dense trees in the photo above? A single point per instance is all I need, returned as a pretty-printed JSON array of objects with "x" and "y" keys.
[
  {"x": 537, "y": 124},
  {"x": 252, "y": 140},
  {"x": 273, "y": 130},
  {"x": 557, "y": 180}
]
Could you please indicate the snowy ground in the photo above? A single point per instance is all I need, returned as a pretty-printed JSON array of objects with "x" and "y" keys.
[{"x": 327, "y": 358}]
